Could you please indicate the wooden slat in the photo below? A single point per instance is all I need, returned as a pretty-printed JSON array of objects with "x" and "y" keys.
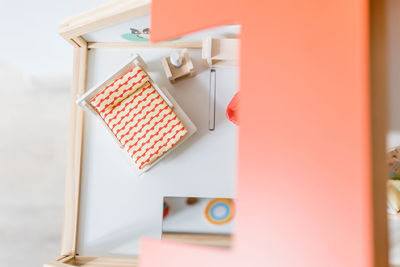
[
  {"x": 69, "y": 195},
  {"x": 200, "y": 239},
  {"x": 106, "y": 15},
  {"x": 94, "y": 262},
  {"x": 79, "y": 119},
  {"x": 105, "y": 261},
  {"x": 89, "y": 13},
  {"x": 379, "y": 117},
  {"x": 73, "y": 174},
  {"x": 66, "y": 261},
  {"x": 73, "y": 42},
  {"x": 80, "y": 41},
  {"x": 56, "y": 264},
  {"x": 189, "y": 45}
]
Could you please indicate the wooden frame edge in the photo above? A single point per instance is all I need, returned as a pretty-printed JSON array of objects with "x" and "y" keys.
[
  {"x": 80, "y": 41},
  {"x": 379, "y": 116},
  {"x": 106, "y": 261},
  {"x": 103, "y": 16},
  {"x": 77, "y": 42},
  {"x": 73, "y": 172},
  {"x": 60, "y": 262},
  {"x": 217, "y": 240},
  {"x": 93, "y": 262},
  {"x": 72, "y": 42},
  {"x": 177, "y": 45}
]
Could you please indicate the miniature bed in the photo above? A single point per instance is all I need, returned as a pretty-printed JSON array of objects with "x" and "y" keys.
[
  {"x": 109, "y": 204},
  {"x": 144, "y": 119}
]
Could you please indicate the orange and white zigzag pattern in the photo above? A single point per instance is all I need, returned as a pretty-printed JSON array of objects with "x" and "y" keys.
[{"x": 138, "y": 116}]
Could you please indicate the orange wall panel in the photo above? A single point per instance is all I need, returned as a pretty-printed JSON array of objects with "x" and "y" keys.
[{"x": 303, "y": 192}]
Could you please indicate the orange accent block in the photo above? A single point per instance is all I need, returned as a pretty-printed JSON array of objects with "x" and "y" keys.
[{"x": 303, "y": 191}]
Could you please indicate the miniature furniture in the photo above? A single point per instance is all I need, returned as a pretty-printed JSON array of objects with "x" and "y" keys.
[
  {"x": 175, "y": 72},
  {"x": 138, "y": 114},
  {"x": 220, "y": 52}
]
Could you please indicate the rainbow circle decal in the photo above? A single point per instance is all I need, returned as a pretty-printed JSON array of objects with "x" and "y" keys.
[{"x": 220, "y": 211}]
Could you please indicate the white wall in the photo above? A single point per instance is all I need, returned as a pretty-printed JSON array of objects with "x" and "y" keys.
[{"x": 29, "y": 34}]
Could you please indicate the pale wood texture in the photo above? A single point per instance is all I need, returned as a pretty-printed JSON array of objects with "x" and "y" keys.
[
  {"x": 379, "y": 117},
  {"x": 200, "y": 239},
  {"x": 174, "y": 73},
  {"x": 105, "y": 261},
  {"x": 94, "y": 262},
  {"x": 61, "y": 262},
  {"x": 103, "y": 16},
  {"x": 66, "y": 259},
  {"x": 79, "y": 119},
  {"x": 77, "y": 41},
  {"x": 72, "y": 184},
  {"x": 220, "y": 52},
  {"x": 189, "y": 45},
  {"x": 72, "y": 42},
  {"x": 80, "y": 41},
  {"x": 56, "y": 264}
]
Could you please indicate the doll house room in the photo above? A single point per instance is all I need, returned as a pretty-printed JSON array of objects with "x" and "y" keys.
[
  {"x": 157, "y": 139},
  {"x": 154, "y": 138}
]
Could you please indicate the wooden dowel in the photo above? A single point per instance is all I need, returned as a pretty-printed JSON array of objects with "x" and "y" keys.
[{"x": 189, "y": 45}]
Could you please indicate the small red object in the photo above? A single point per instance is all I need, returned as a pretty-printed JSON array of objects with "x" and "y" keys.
[
  {"x": 232, "y": 109},
  {"x": 166, "y": 209},
  {"x": 191, "y": 200}
]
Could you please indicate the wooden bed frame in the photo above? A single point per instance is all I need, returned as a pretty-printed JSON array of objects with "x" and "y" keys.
[
  {"x": 117, "y": 11},
  {"x": 136, "y": 60}
]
